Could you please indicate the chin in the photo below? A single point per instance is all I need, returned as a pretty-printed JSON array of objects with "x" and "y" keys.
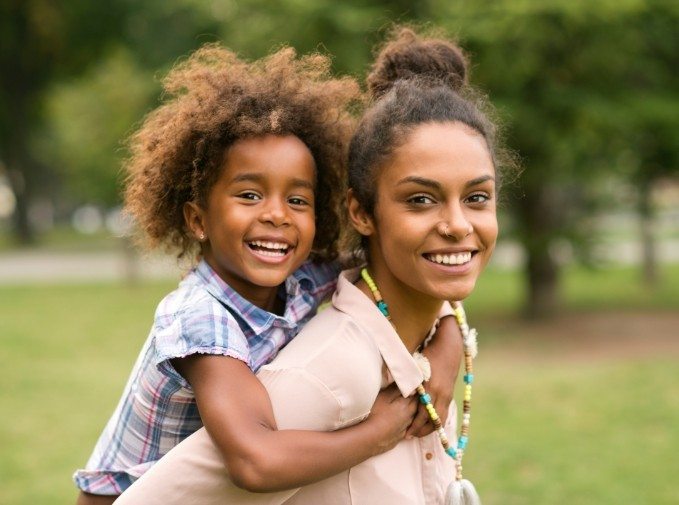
[
  {"x": 267, "y": 278},
  {"x": 457, "y": 292}
]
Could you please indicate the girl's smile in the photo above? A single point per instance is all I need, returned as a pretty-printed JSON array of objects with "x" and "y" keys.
[{"x": 258, "y": 223}]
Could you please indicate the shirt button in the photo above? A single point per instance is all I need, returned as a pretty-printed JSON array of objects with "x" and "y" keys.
[{"x": 429, "y": 455}]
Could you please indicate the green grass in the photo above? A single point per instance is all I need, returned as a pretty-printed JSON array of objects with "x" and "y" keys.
[
  {"x": 65, "y": 355},
  {"x": 501, "y": 292},
  {"x": 561, "y": 433},
  {"x": 591, "y": 434}
]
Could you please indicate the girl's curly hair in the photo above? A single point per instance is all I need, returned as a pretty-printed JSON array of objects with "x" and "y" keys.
[{"x": 212, "y": 100}]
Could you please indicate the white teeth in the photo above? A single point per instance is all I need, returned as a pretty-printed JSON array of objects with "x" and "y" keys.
[
  {"x": 450, "y": 259},
  {"x": 270, "y": 253},
  {"x": 269, "y": 245}
]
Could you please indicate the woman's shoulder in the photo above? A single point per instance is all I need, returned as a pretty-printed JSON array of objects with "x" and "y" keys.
[
  {"x": 330, "y": 332},
  {"x": 334, "y": 356}
]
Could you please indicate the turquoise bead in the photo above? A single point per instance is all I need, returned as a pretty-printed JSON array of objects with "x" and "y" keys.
[
  {"x": 383, "y": 308},
  {"x": 425, "y": 398},
  {"x": 451, "y": 452},
  {"x": 468, "y": 378},
  {"x": 462, "y": 442}
]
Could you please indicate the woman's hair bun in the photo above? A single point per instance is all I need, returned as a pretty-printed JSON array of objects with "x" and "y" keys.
[{"x": 407, "y": 55}]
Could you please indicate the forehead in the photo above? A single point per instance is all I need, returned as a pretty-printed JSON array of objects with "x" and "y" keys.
[
  {"x": 269, "y": 156},
  {"x": 441, "y": 150}
]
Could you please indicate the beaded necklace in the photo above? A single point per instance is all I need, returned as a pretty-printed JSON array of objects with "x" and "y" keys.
[{"x": 461, "y": 490}]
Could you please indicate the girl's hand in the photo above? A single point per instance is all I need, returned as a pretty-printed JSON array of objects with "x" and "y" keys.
[
  {"x": 391, "y": 415},
  {"x": 445, "y": 355}
]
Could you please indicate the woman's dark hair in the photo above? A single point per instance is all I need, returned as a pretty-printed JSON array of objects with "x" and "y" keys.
[
  {"x": 414, "y": 80},
  {"x": 212, "y": 100}
]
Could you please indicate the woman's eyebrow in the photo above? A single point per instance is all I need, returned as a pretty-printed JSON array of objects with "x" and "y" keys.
[
  {"x": 479, "y": 180},
  {"x": 436, "y": 185},
  {"x": 421, "y": 181}
]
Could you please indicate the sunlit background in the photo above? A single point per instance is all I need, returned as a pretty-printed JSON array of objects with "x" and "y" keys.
[{"x": 577, "y": 395}]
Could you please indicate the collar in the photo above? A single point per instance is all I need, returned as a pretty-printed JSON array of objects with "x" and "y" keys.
[
  {"x": 353, "y": 302},
  {"x": 256, "y": 318}
]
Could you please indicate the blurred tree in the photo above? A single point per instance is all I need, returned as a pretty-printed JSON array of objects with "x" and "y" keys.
[
  {"x": 41, "y": 41},
  {"x": 87, "y": 120},
  {"x": 648, "y": 123},
  {"x": 88, "y": 117},
  {"x": 567, "y": 75}
]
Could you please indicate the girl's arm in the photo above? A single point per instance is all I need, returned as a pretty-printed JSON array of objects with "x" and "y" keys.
[
  {"x": 445, "y": 355},
  {"x": 237, "y": 413},
  {"x": 94, "y": 499}
]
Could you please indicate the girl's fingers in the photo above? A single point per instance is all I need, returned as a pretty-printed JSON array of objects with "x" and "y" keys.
[{"x": 421, "y": 425}]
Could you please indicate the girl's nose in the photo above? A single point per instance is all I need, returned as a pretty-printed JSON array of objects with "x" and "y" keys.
[{"x": 276, "y": 213}]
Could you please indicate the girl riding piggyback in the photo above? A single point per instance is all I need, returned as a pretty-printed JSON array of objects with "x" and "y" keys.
[{"x": 239, "y": 168}]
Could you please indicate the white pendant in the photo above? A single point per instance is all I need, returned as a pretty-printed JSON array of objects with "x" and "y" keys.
[{"x": 462, "y": 492}]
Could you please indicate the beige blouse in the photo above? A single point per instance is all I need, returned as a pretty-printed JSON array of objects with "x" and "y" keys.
[{"x": 326, "y": 378}]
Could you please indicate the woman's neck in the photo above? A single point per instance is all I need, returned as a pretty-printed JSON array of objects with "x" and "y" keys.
[{"x": 412, "y": 313}]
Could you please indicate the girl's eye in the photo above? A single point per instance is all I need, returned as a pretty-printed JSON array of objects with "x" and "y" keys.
[
  {"x": 249, "y": 195},
  {"x": 478, "y": 198},
  {"x": 421, "y": 200},
  {"x": 298, "y": 201}
]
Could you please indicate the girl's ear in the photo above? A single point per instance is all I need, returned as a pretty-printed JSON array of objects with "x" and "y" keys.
[
  {"x": 362, "y": 222},
  {"x": 194, "y": 217}
]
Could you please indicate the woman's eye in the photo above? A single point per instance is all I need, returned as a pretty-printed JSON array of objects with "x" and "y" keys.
[
  {"x": 421, "y": 200},
  {"x": 478, "y": 198}
]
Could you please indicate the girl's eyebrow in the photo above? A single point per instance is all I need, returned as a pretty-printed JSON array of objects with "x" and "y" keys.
[
  {"x": 436, "y": 185},
  {"x": 257, "y": 177}
]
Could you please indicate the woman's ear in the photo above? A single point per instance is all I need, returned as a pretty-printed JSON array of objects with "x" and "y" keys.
[
  {"x": 194, "y": 217},
  {"x": 362, "y": 222}
]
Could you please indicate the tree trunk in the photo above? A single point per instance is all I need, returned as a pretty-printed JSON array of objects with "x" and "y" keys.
[
  {"x": 538, "y": 219},
  {"x": 130, "y": 261},
  {"x": 649, "y": 259},
  {"x": 542, "y": 275}
]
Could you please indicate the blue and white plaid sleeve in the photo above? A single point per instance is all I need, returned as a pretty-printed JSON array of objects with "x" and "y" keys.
[{"x": 203, "y": 326}]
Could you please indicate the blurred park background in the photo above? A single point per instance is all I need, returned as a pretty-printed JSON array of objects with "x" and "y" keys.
[{"x": 577, "y": 398}]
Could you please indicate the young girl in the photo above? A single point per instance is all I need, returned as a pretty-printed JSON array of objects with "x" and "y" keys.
[
  {"x": 233, "y": 166},
  {"x": 423, "y": 177}
]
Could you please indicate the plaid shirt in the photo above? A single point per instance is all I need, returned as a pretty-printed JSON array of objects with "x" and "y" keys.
[{"x": 203, "y": 315}]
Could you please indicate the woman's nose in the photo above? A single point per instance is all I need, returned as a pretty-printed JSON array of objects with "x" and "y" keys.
[{"x": 455, "y": 224}]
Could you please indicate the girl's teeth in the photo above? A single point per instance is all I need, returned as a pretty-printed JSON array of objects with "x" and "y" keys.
[
  {"x": 271, "y": 253},
  {"x": 450, "y": 259},
  {"x": 276, "y": 246}
]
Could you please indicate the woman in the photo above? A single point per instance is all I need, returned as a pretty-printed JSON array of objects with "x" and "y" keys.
[{"x": 423, "y": 176}]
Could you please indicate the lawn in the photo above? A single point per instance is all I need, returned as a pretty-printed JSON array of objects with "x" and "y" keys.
[{"x": 545, "y": 430}]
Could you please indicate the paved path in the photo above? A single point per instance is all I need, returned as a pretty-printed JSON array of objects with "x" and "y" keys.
[{"x": 32, "y": 267}]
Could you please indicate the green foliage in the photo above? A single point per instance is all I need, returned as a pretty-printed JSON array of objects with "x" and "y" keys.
[
  {"x": 88, "y": 119},
  {"x": 588, "y": 91}
]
